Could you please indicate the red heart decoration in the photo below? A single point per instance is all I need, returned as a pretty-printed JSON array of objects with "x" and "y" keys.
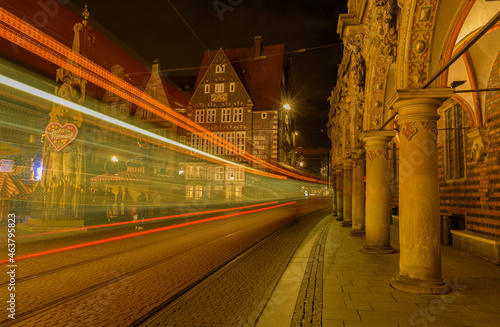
[{"x": 60, "y": 136}]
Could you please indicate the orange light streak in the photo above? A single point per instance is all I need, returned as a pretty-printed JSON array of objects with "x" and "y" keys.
[
  {"x": 148, "y": 220},
  {"x": 66, "y": 58},
  {"x": 117, "y": 238}
]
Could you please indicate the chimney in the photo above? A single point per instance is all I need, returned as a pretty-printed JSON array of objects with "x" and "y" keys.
[{"x": 258, "y": 46}]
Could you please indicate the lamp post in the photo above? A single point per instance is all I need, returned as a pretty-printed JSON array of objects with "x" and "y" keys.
[{"x": 232, "y": 187}]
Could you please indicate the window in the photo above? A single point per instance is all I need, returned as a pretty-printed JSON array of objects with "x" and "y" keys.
[
  {"x": 229, "y": 173},
  {"x": 210, "y": 173},
  {"x": 199, "y": 116},
  {"x": 199, "y": 172},
  {"x": 454, "y": 143},
  {"x": 218, "y": 148},
  {"x": 189, "y": 191},
  {"x": 211, "y": 115},
  {"x": 123, "y": 110},
  {"x": 189, "y": 172},
  {"x": 240, "y": 141},
  {"x": 144, "y": 113},
  {"x": 219, "y": 173},
  {"x": 238, "y": 114},
  {"x": 220, "y": 68},
  {"x": 226, "y": 115},
  {"x": 152, "y": 91},
  {"x": 207, "y": 88},
  {"x": 182, "y": 139},
  {"x": 195, "y": 141},
  {"x": 232, "y": 87},
  {"x": 230, "y": 138},
  {"x": 263, "y": 115},
  {"x": 219, "y": 88},
  {"x": 198, "y": 192},
  {"x": 239, "y": 174}
]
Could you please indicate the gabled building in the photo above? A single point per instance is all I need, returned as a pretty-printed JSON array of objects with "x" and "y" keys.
[{"x": 240, "y": 96}]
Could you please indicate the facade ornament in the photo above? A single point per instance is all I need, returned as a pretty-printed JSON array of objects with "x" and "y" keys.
[
  {"x": 480, "y": 144},
  {"x": 381, "y": 27}
]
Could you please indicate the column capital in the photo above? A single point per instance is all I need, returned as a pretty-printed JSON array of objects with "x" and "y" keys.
[
  {"x": 377, "y": 137},
  {"x": 401, "y": 96},
  {"x": 346, "y": 162},
  {"x": 418, "y": 105}
]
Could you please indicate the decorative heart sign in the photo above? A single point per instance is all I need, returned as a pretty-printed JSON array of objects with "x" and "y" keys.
[{"x": 60, "y": 136}]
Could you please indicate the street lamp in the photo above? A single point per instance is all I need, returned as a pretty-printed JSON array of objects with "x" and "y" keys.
[
  {"x": 286, "y": 106},
  {"x": 232, "y": 187}
]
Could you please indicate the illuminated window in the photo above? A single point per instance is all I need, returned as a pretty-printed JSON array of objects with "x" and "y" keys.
[
  {"x": 207, "y": 88},
  {"x": 220, "y": 69},
  {"x": 238, "y": 115},
  {"x": 189, "y": 191},
  {"x": 239, "y": 174},
  {"x": 211, "y": 115},
  {"x": 219, "y": 173},
  {"x": 240, "y": 141},
  {"x": 232, "y": 87},
  {"x": 144, "y": 113},
  {"x": 263, "y": 115},
  {"x": 218, "y": 148},
  {"x": 230, "y": 138},
  {"x": 199, "y": 172},
  {"x": 454, "y": 143},
  {"x": 210, "y": 173},
  {"x": 199, "y": 116},
  {"x": 189, "y": 172},
  {"x": 229, "y": 173},
  {"x": 198, "y": 192},
  {"x": 219, "y": 88},
  {"x": 226, "y": 115}
]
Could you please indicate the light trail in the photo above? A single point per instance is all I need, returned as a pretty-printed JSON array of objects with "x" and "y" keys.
[
  {"x": 147, "y": 220},
  {"x": 47, "y": 96},
  {"x": 122, "y": 237},
  {"x": 69, "y": 58}
]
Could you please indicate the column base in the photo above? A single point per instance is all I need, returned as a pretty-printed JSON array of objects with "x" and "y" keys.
[
  {"x": 387, "y": 249},
  {"x": 356, "y": 232},
  {"x": 412, "y": 285},
  {"x": 339, "y": 218},
  {"x": 346, "y": 223}
]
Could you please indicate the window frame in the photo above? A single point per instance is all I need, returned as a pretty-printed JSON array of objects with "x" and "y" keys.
[{"x": 455, "y": 163}]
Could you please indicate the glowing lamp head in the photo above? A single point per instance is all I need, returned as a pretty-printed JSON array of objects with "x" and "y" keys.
[
  {"x": 286, "y": 106},
  {"x": 114, "y": 159}
]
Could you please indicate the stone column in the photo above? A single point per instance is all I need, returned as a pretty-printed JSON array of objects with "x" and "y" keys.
[
  {"x": 419, "y": 220},
  {"x": 377, "y": 215},
  {"x": 347, "y": 165},
  {"x": 340, "y": 200},
  {"x": 358, "y": 192},
  {"x": 333, "y": 179}
]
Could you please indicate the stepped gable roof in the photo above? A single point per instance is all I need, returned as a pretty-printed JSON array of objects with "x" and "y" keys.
[{"x": 260, "y": 77}]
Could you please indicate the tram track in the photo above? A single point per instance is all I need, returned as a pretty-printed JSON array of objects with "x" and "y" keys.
[{"x": 79, "y": 293}]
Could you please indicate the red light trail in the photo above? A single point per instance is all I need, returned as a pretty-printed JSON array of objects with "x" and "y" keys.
[{"x": 122, "y": 237}]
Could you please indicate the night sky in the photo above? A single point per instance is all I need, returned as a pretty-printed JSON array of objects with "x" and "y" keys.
[{"x": 152, "y": 30}]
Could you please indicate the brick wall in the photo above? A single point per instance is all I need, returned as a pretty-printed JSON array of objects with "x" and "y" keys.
[{"x": 478, "y": 196}]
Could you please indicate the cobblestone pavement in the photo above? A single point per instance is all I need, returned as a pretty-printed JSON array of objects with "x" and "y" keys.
[
  {"x": 237, "y": 295},
  {"x": 116, "y": 283}
]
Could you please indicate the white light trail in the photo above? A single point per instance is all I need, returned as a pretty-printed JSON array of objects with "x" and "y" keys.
[{"x": 50, "y": 97}]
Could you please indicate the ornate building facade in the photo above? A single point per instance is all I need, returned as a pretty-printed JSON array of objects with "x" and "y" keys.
[
  {"x": 419, "y": 77},
  {"x": 240, "y": 96}
]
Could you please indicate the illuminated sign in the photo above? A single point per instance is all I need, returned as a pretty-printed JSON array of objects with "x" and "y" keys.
[{"x": 60, "y": 136}]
